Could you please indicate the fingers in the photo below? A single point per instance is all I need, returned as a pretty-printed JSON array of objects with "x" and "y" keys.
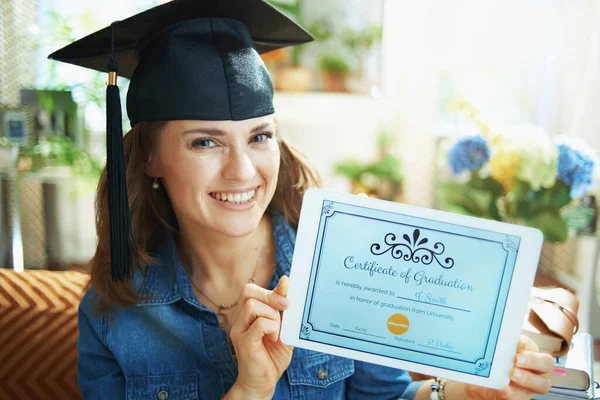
[
  {"x": 251, "y": 311},
  {"x": 260, "y": 303},
  {"x": 529, "y": 381},
  {"x": 530, "y": 367},
  {"x": 282, "y": 286},
  {"x": 271, "y": 298},
  {"x": 526, "y": 344},
  {"x": 513, "y": 392},
  {"x": 263, "y": 327},
  {"x": 253, "y": 336},
  {"x": 537, "y": 362}
]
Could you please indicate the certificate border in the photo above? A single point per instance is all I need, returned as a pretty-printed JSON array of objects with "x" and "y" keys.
[{"x": 481, "y": 364}]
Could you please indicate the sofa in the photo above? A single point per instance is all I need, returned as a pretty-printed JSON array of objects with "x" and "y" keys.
[{"x": 38, "y": 334}]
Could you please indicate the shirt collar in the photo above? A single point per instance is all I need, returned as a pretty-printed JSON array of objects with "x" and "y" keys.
[
  {"x": 285, "y": 239},
  {"x": 167, "y": 281}
]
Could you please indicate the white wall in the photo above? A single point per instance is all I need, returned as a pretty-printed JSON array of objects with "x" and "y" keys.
[{"x": 329, "y": 128}]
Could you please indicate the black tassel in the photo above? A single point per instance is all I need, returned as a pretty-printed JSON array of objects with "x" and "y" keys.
[{"x": 118, "y": 206}]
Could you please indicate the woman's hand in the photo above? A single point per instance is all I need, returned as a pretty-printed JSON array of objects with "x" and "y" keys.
[
  {"x": 262, "y": 357},
  {"x": 527, "y": 376}
]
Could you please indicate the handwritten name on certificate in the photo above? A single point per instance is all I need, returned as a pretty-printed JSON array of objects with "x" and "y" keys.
[{"x": 409, "y": 288}]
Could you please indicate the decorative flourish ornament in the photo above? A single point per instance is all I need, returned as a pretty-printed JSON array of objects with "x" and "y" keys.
[{"x": 413, "y": 250}]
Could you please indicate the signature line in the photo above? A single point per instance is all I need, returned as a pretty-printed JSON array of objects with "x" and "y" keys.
[
  {"x": 437, "y": 348},
  {"x": 362, "y": 333},
  {"x": 433, "y": 304}
]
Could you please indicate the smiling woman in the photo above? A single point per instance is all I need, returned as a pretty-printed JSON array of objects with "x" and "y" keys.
[
  {"x": 179, "y": 154},
  {"x": 199, "y": 160},
  {"x": 197, "y": 212}
]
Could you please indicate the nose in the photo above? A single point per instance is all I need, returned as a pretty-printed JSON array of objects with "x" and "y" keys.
[{"x": 239, "y": 166}]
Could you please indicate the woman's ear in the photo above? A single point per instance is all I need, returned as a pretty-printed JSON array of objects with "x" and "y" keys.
[{"x": 151, "y": 167}]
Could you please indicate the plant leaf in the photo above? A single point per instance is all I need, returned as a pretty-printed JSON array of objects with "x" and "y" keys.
[
  {"x": 552, "y": 225},
  {"x": 560, "y": 195},
  {"x": 466, "y": 199},
  {"x": 578, "y": 216}
]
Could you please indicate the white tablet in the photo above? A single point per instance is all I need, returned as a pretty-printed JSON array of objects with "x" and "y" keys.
[{"x": 408, "y": 287}]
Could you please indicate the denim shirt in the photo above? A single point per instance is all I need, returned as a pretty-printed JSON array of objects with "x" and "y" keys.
[{"x": 171, "y": 346}]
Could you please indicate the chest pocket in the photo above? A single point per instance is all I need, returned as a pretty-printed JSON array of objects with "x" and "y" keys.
[
  {"x": 163, "y": 387},
  {"x": 319, "y": 376}
]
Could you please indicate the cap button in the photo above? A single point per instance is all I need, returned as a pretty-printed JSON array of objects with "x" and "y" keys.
[
  {"x": 163, "y": 395},
  {"x": 322, "y": 374}
]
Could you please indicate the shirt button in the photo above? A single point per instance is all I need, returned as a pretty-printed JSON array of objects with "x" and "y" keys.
[
  {"x": 163, "y": 395},
  {"x": 322, "y": 374}
]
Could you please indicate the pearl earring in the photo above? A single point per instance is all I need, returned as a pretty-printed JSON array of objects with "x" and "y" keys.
[{"x": 155, "y": 184}]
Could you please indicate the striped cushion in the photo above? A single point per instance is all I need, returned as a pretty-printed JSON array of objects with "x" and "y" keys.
[{"x": 38, "y": 334}]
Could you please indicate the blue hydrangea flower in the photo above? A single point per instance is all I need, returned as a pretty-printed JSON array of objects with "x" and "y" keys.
[
  {"x": 576, "y": 169},
  {"x": 468, "y": 154}
]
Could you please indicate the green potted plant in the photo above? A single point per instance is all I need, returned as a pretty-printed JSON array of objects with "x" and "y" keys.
[
  {"x": 291, "y": 76},
  {"x": 70, "y": 175},
  {"x": 334, "y": 72},
  {"x": 61, "y": 153},
  {"x": 362, "y": 41},
  {"x": 359, "y": 44},
  {"x": 381, "y": 178}
]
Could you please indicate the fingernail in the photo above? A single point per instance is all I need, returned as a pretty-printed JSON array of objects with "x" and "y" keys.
[
  {"x": 521, "y": 359},
  {"x": 283, "y": 301},
  {"x": 517, "y": 373}
]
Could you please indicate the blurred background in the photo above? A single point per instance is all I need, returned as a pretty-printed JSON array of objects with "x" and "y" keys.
[{"x": 483, "y": 108}]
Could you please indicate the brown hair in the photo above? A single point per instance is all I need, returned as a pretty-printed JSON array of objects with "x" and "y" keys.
[{"x": 152, "y": 213}]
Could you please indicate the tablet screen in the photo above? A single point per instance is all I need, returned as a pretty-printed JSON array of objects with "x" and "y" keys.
[{"x": 408, "y": 288}]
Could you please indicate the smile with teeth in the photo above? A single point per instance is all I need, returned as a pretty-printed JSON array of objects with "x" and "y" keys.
[{"x": 235, "y": 198}]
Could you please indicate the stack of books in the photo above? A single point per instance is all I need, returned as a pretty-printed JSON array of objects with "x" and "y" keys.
[
  {"x": 551, "y": 324},
  {"x": 573, "y": 375}
]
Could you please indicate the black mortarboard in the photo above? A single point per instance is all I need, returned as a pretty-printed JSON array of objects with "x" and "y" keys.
[{"x": 187, "y": 59}]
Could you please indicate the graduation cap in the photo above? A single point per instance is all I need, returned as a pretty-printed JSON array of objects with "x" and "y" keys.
[{"x": 187, "y": 60}]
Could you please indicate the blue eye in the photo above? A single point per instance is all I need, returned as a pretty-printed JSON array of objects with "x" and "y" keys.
[
  {"x": 262, "y": 137},
  {"x": 203, "y": 143}
]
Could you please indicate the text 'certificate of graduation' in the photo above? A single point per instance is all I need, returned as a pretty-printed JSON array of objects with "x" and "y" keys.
[{"x": 409, "y": 288}]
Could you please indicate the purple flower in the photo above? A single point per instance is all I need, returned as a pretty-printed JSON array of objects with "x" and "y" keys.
[
  {"x": 468, "y": 154},
  {"x": 575, "y": 169}
]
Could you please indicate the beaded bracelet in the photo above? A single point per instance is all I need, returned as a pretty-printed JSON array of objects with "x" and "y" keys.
[{"x": 437, "y": 389}]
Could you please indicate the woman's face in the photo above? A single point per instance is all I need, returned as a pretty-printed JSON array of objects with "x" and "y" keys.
[{"x": 219, "y": 175}]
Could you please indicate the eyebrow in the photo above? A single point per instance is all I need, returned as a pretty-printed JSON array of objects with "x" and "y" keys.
[{"x": 218, "y": 132}]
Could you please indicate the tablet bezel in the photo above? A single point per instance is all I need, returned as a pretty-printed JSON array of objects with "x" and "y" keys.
[{"x": 517, "y": 299}]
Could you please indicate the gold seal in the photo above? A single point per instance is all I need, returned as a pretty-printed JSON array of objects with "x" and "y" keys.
[{"x": 398, "y": 324}]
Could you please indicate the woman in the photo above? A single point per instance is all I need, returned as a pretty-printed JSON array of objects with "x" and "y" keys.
[{"x": 214, "y": 193}]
